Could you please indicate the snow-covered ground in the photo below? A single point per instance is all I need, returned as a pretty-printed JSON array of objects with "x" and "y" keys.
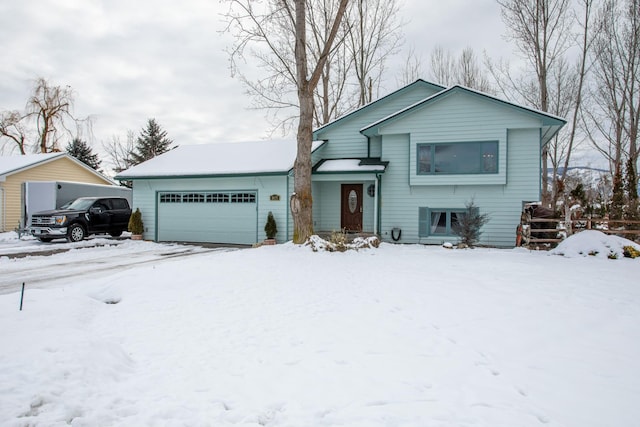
[
  {"x": 282, "y": 336},
  {"x": 92, "y": 257}
]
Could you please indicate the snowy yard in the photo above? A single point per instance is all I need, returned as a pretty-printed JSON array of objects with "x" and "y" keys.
[{"x": 282, "y": 336}]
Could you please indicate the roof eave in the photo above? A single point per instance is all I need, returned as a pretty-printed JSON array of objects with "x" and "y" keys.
[
  {"x": 324, "y": 128},
  {"x": 31, "y": 165},
  {"x": 547, "y": 120},
  {"x": 204, "y": 175}
]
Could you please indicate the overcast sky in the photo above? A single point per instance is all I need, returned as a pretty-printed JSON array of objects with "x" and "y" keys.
[{"x": 128, "y": 61}]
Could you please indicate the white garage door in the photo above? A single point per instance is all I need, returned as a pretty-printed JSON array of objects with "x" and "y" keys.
[{"x": 208, "y": 216}]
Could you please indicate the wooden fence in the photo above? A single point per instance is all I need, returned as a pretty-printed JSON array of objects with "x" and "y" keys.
[{"x": 551, "y": 231}]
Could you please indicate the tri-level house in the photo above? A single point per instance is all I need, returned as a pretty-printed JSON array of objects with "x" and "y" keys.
[{"x": 402, "y": 167}]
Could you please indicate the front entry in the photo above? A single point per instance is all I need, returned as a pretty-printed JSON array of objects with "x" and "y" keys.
[{"x": 351, "y": 207}]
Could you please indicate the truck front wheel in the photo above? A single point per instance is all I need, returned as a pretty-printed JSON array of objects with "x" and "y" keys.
[{"x": 76, "y": 233}]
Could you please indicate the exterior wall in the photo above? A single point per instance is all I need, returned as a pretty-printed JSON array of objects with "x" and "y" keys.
[
  {"x": 375, "y": 146},
  {"x": 62, "y": 169},
  {"x": 460, "y": 118},
  {"x": 503, "y": 202},
  {"x": 345, "y": 138},
  {"x": 145, "y": 198}
]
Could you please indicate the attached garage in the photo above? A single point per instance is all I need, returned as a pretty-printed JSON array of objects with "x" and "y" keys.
[
  {"x": 216, "y": 193},
  {"x": 208, "y": 216}
]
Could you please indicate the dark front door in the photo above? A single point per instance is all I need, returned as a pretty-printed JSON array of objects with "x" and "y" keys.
[{"x": 351, "y": 207}]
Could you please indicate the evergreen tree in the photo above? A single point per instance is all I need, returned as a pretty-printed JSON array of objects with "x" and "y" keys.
[
  {"x": 468, "y": 225},
  {"x": 152, "y": 142},
  {"x": 82, "y": 151}
]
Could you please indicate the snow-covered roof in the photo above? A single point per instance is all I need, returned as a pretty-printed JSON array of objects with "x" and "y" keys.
[
  {"x": 348, "y": 165},
  {"x": 16, "y": 163},
  {"x": 235, "y": 158}
]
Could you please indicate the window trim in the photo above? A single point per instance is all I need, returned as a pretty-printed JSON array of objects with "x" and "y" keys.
[
  {"x": 432, "y": 152},
  {"x": 424, "y": 221},
  {"x": 208, "y": 197}
]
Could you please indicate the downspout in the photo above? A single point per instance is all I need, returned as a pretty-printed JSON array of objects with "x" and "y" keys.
[
  {"x": 368, "y": 147},
  {"x": 540, "y": 165},
  {"x": 377, "y": 220},
  {"x": 286, "y": 192}
]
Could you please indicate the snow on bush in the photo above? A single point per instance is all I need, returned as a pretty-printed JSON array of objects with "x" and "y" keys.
[
  {"x": 598, "y": 244},
  {"x": 339, "y": 243}
]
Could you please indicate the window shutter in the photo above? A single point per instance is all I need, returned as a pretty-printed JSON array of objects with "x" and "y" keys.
[{"x": 423, "y": 222}]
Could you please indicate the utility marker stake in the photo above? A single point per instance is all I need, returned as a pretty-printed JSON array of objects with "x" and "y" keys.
[{"x": 22, "y": 296}]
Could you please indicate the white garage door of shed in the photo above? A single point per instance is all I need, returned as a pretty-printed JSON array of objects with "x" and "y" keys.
[{"x": 208, "y": 216}]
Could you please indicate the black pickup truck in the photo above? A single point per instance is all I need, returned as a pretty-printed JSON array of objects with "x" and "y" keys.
[{"x": 82, "y": 217}]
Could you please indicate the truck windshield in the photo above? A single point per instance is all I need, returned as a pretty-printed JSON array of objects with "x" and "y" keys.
[{"x": 80, "y": 204}]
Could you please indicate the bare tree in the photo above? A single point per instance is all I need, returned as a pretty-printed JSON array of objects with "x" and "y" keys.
[
  {"x": 50, "y": 105},
  {"x": 352, "y": 74},
  {"x": 411, "y": 69},
  {"x": 443, "y": 66},
  {"x": 278, "y": 27},
  {"x": 613, "y": 122},
  {"x": 49, "y": 110},
  {"x": 569, "y": 93},
  {"x": 465, "y": 70},
  {"x": 373, "y": 35},
  {"x": 541, "y": 30},
  {"x": 120, "y": 152},
  {"x": 469, "y": 72},
  {"x": 333, "y": 95},
  {"x": 12, "y": 128}
]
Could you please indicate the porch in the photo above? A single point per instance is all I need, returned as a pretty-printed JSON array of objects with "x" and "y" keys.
[{"x": 346, "y": 196}]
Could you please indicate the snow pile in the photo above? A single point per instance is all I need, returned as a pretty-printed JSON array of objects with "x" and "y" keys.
[{"x": 594, "y": 243}]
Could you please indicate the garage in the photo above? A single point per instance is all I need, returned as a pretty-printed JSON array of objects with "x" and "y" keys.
[{"x": 208, "y": 216}]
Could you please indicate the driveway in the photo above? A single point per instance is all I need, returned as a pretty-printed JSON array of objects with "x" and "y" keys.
[{"x": 44, "y": 265}]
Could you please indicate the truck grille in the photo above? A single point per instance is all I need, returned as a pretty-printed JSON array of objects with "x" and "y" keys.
[{"x": 42, "y": 220}]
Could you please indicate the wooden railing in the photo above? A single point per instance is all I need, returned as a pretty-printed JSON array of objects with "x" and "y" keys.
[{"x": 529, "y": 235}]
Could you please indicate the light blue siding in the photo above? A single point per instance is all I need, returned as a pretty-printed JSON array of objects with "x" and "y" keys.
[
  {"x": 145, "y": 197},
  {"x": 345, "y": 138},
  {"x": 375, "y": 144},
  {"x": 401, "y": 201},
  {"x": 460, "y": 118}
]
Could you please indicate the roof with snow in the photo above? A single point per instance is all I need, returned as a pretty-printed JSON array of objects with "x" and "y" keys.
[
  {"x": 13, "y": 164},
  {"x": 350, "y": 165},
  {"x": 18, "y": 163},
  {"x": 234, "y": 158}
]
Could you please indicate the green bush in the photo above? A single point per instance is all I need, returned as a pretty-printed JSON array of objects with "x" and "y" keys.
[
  {"x": 468, "y": 225},
  {"x": 270, "y": 228},
  {"x": 136, "y": 226}
]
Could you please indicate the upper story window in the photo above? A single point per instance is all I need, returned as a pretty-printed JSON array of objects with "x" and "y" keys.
[{"x": 458, "y": 158}]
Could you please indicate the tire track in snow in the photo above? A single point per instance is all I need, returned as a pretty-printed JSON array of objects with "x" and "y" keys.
[{"x": 10, "y": 281}]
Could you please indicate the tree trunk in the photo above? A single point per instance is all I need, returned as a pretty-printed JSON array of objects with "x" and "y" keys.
[{"x": 301, "y": 200}]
